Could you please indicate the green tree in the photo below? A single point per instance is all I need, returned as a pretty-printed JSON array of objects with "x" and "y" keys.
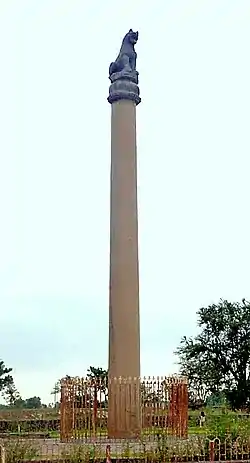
[
  {"x": 98, "y": 378},
  {"x": 7, "y": 386},
  {"x": 154, "y": 393},
  {"x": 218, "y": 358},
  {"x": 19, "y": 403},
  {"x": 12, "y": 396},
  {"x": 56, "y": 391},
  {"x": 6, "y": 380},
  {"x": 33, "y": 402}
]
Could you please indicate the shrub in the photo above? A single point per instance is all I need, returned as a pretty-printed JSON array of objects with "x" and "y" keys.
[
  {"x": 18, "y": 450},
  {"x": 80, "y": 453},
  {"x": 228, "y": 425}
]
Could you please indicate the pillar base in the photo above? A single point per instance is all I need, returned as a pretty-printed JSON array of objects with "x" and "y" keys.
[{"x": 124, "y": 408}]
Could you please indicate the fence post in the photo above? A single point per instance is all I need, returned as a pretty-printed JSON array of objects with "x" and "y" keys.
[
  {"x": 211, "y": 450},
  {"x": 2, "y": 453},
  {"x": 108, "y": 451}
]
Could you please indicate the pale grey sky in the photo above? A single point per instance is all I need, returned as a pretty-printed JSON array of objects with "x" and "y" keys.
[{"x": 193, "y": 166}]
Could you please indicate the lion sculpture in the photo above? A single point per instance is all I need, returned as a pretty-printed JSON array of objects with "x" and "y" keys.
[{"x": 126, "y": 60}]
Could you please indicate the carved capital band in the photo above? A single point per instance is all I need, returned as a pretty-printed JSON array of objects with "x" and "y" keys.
[{"x": 124, "y": 89}]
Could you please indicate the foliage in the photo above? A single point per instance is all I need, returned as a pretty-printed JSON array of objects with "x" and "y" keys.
[
  {"x": 99, "y": 377},
  {"x": 170, "y": 448},
  {"x": 30, "y": 403},
  {"x": 98, "y": 374},
  {"x": 56, "y": 388},
  {"x": 217, "y": 400},
  {"x": 228, "y": 425},
  {"x": 11, "y": 394},
  {"x": 18, "y": 450},
  {"x": 218, "y": 358},
  {"x": 80, "y": 453},
  {"x": 33, "y": 402},
  {"x": 220, "y": 423},
  {"x": 154, "y": 393},
  {"x": 6, "y": 380},
  {"x": 56, "y": 391}
]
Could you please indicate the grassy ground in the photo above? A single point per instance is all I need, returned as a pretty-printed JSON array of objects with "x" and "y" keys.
[{"x": 217, "y": 420}]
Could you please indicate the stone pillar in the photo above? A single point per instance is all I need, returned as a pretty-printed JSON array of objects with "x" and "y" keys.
[{"x": 124, "y": 411}]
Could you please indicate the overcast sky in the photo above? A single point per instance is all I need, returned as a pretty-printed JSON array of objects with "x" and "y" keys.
[{"x": 193, "y": 168}]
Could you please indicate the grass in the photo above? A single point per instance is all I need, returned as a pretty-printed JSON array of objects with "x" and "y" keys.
[{"x": 196, "y": 431}]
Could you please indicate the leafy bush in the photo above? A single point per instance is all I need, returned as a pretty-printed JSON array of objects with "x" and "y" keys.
[
  {"x": 221, "y": 423},
  {"x": 228, "y": 425},
  {"x": 170, "y": 448},
  {"x": 80, "y": 453},
  {"x": 18, "y": 450}
]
